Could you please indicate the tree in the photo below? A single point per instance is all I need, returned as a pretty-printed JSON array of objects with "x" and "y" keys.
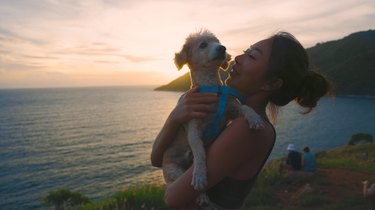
[{"x": 360, "y": 138}]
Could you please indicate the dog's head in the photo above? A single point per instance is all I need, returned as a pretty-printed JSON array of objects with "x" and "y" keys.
[{"x": 202, "y": 49}]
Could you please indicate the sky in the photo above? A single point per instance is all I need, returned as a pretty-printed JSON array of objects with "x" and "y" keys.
[{"x": 64, "y": 43}]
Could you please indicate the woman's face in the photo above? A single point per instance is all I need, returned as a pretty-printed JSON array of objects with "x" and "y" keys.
[{"x": 246, "y": 76}]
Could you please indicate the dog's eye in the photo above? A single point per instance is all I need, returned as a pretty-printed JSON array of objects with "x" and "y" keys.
[{"x": 203, "y": 45}]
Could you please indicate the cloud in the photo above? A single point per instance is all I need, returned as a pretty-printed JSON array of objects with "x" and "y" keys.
[
  {"x": 7, "y": 36},
  {"x": 310, "y": 21},
  {"x": 137, "y": 59},
  {"x": 91, "y": 49},
  {"x": 42, "y": 9},
  {"x": 32, "y": 79},
  {"x": 39, "y": 57},
  {"x": 10, "y": 64},
  {"x": 105, "y": 36}
]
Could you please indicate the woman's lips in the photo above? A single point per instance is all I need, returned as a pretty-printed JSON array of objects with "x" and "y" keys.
[{"x": 233, "y": 71}]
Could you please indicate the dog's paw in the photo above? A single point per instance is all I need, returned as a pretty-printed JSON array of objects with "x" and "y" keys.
[
  {"x": 255, "y": 122},
  {"x": 211, "y": 206},
  {"x": 204, "y": 201},
  {"x": 199, "y": 180}
]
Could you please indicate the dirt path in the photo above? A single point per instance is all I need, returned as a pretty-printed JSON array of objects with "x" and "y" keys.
[{"x": 333, "y": 184}]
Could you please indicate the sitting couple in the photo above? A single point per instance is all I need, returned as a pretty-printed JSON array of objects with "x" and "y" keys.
[{"x": 298, "y": 162}]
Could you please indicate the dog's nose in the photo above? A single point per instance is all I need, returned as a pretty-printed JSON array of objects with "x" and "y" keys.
[{"x": 221, "y": 49}]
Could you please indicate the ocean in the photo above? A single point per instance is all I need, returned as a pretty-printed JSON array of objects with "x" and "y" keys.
[{"x": 98, "y": 140}]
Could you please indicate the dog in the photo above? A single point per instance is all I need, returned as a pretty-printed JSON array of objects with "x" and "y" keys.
[{"x": 204, "y": 55}]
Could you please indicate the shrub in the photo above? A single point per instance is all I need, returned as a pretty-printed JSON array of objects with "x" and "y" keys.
[
  {"x": 65, "y": 199},
  {"x": 361, "y": 137}
]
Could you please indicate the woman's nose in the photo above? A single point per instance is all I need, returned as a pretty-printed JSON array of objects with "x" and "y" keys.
[{"x": 237, "y": 58}]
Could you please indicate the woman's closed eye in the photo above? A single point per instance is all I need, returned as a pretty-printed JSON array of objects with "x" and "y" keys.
[{"x": 248, "y": 53}]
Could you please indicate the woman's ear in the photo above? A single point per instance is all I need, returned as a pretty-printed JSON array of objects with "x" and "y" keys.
[{"x": 273, "y": 84}]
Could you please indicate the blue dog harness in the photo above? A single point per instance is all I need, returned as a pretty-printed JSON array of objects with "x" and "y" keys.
[{"x": 213, "y": 130}]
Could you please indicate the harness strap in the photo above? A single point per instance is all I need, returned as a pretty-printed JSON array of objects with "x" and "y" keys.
[{"x": 213, "y": 130}]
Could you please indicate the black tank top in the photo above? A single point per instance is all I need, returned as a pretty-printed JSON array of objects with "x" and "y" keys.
[{"x": 231, "y": 193}]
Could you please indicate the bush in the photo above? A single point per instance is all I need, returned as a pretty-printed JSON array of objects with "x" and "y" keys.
[
  {"x": 360, "y": 138},
  {"x": 65, "y": 199}
]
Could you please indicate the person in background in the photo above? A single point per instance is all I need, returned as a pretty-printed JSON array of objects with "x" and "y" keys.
[
  {"x": 308, "y": 160},
  {"x": 294, "y": 159},
  {"x": 369, "y": 194}
]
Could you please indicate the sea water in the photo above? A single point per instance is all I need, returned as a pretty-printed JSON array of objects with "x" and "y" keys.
[{"x": 98, "y": 140}]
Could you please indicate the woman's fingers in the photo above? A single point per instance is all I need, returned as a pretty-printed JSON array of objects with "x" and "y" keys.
[
  {"x": 203, "y": 98},
  {"x": 198, "y": 115},
  {"x": 203, "y": 108},
  {"x": 193, "y": 105},
  {"x": 196, "y": 97}
]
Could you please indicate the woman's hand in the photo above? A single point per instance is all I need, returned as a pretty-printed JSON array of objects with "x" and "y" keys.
[{"x": 193, "y": 105}]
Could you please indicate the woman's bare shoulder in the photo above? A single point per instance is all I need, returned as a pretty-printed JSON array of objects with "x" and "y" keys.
[
  {"x": 240, "y": 124},
  {"x": 239, "y": 134},
  {"x": 237, "y": 145}
]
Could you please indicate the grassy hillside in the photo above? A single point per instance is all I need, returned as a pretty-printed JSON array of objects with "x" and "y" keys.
[
  {"x": 335, "y": 186},
  {"x": 182, "y": 83},
  {"x": 349, "y": 63}
]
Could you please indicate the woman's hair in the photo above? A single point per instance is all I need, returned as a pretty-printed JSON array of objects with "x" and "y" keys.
[{"x": 290, "y": 63}]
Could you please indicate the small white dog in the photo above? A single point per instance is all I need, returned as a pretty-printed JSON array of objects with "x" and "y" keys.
[{"x": 204, "y": 55}]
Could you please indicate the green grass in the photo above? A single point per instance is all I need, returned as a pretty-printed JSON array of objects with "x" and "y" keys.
[
  {"x": 357, "y": 202},
  {"x": 263, "y": 208},
  {"x": 346, "y": 163},
  {"x": 261, "y": 196},
  {"x": 138, "y": 197},
  {"x": 312, "y": 200},
  {"x": 264, "y": 193},
  {"x": 349, "y": 157},
  {"x": 353, "y": 152}
]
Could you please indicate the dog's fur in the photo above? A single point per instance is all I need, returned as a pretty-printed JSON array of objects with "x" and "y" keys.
[{"x": 204, "y": 55}]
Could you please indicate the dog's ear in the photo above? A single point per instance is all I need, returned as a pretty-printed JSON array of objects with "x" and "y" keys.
[
  {"x": 227, "y": 62},
  {"x": 180, "y": 59}
]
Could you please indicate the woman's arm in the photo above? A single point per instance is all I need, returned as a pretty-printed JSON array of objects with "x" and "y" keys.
[
  {"x": 238, "y": 152},
  {"x": 162, "y": 141},
  {"x": 192, "y": 105}
]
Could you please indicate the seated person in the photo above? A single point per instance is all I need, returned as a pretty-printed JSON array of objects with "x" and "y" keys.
[
  {"x": 294, "y": 159},
  {"x": 308, "y": 161}
]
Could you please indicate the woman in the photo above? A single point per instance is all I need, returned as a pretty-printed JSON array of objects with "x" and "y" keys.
[{"x": 270, "y": 73}]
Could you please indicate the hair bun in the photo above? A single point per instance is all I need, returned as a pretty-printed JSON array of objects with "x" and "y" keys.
[{"x": 313, "y": 87}]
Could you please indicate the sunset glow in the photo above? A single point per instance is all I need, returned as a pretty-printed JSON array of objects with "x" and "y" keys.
[{"x": 52, "y": 43}]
